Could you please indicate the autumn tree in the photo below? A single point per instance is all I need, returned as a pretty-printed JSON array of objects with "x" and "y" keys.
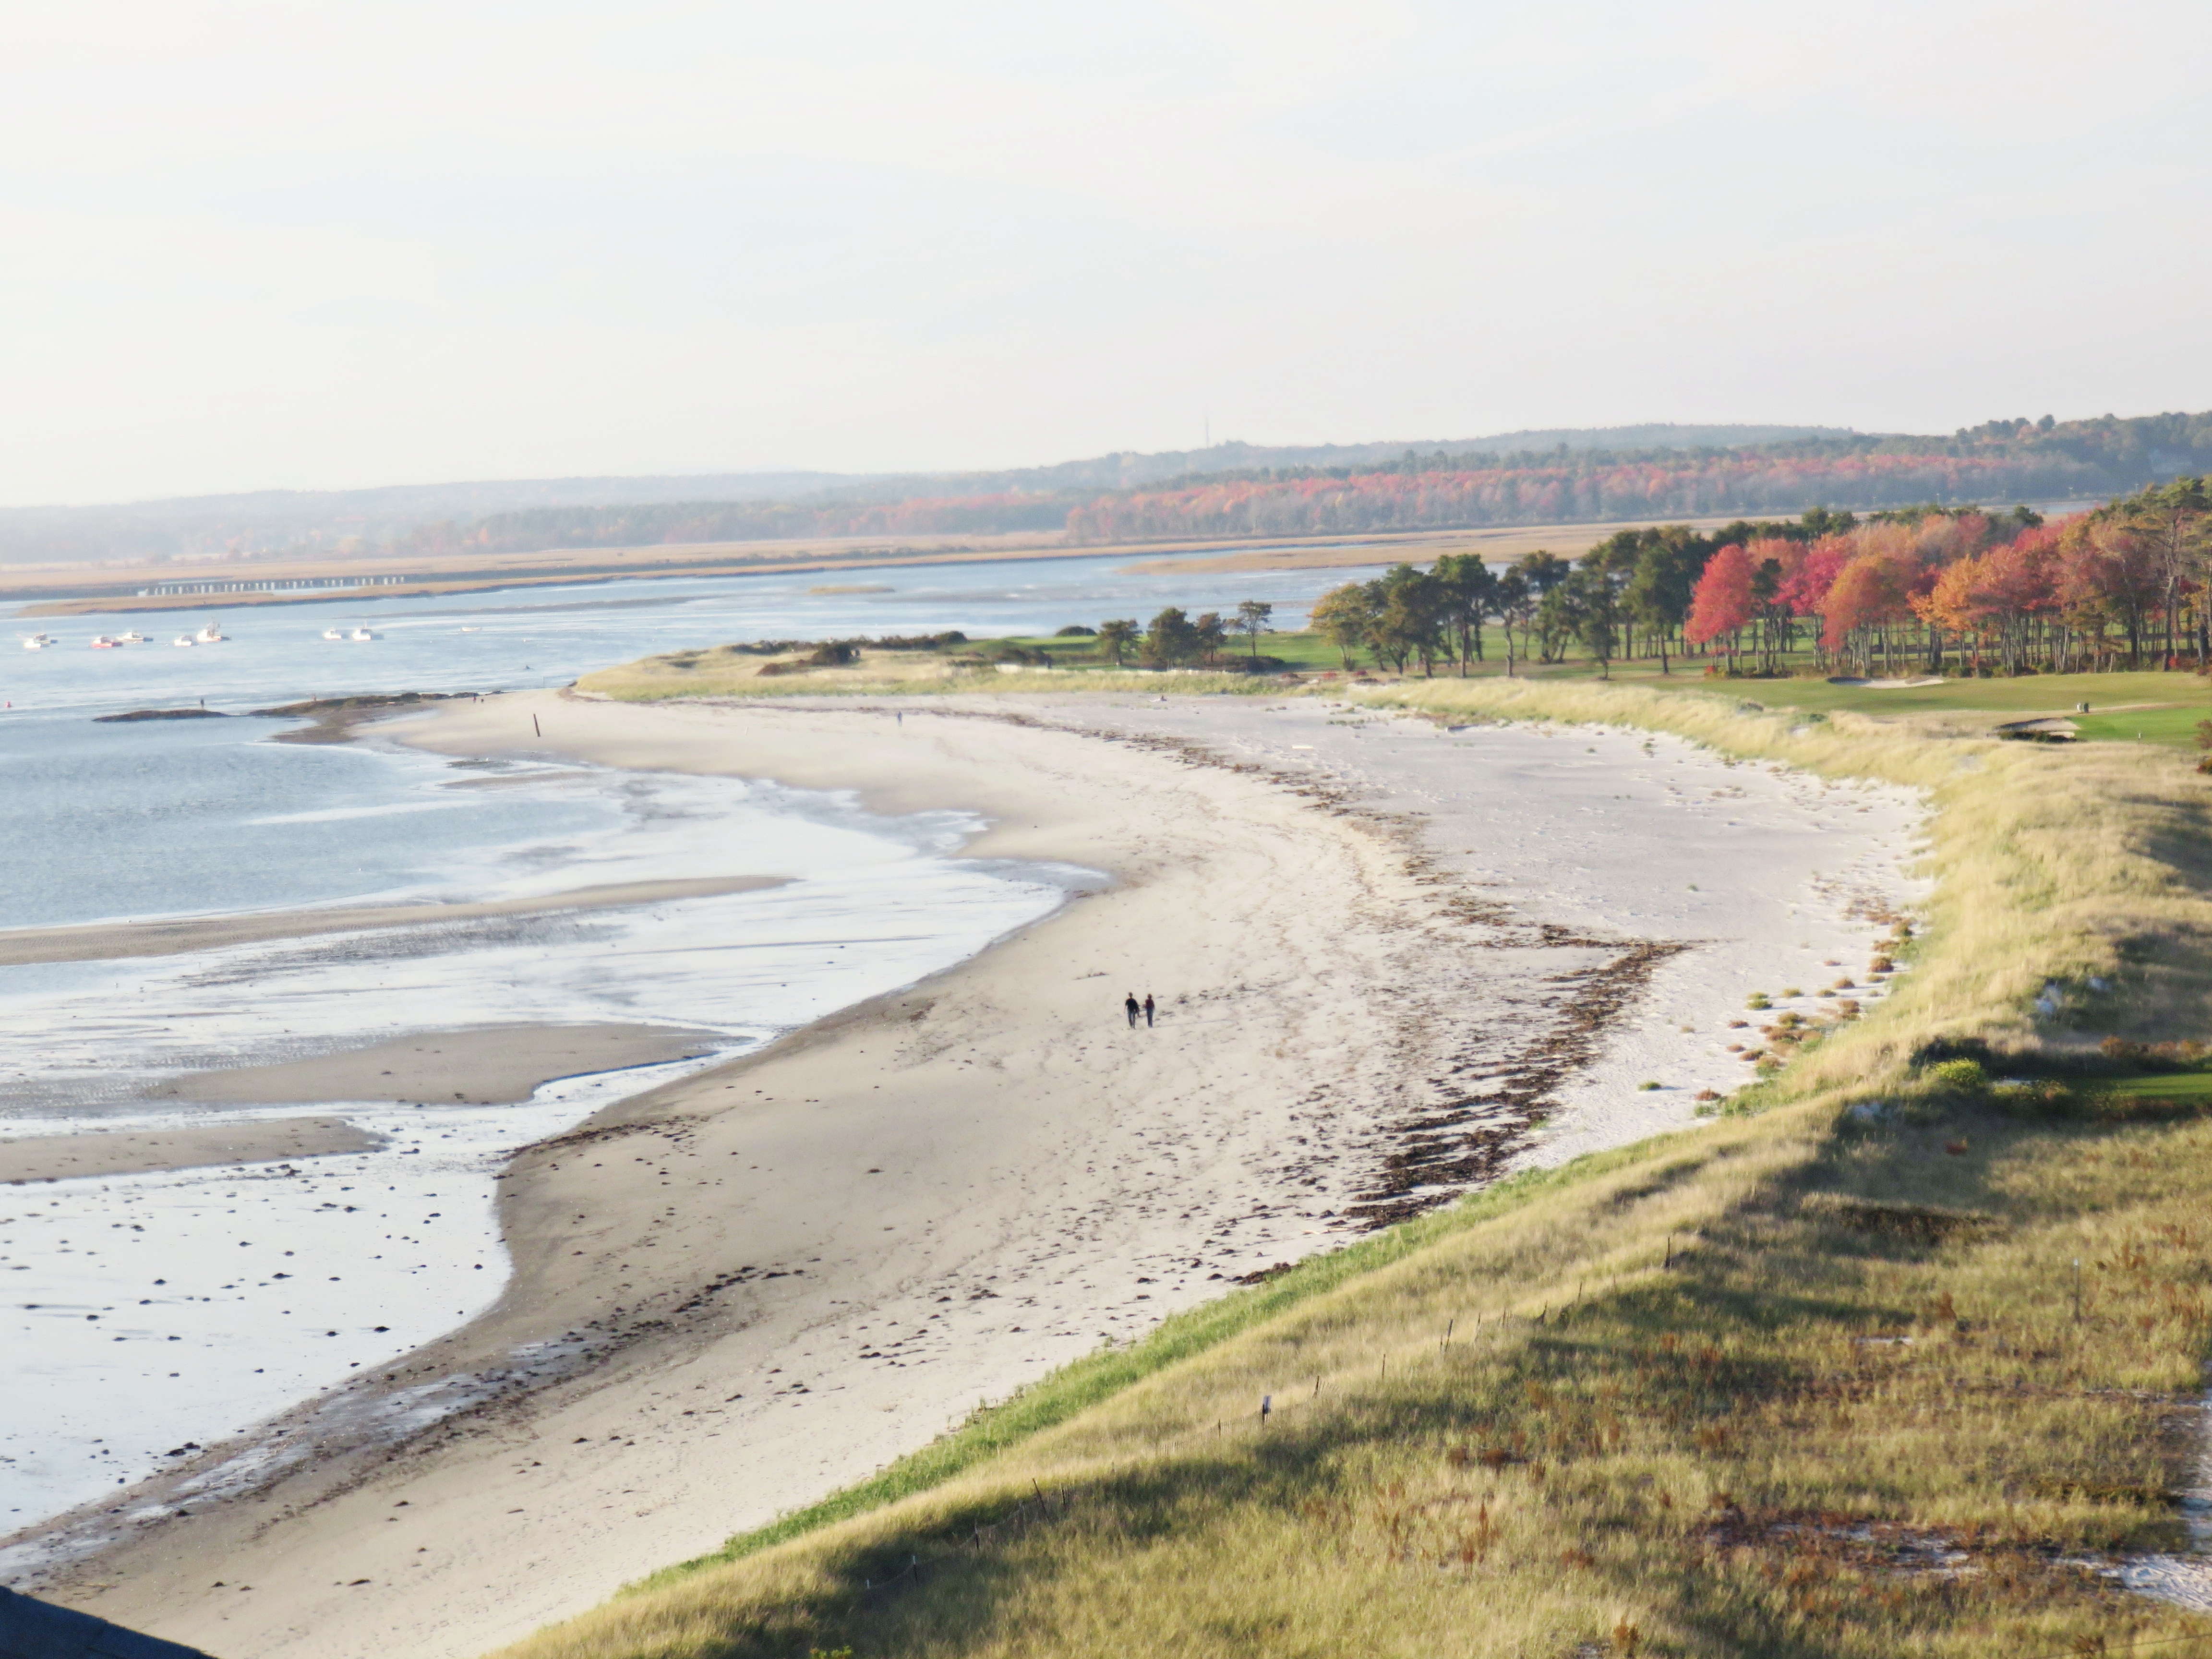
[
  {"x": 1871, "y": 591},
  {"x": 1722, "y": 602},
  {"x": 2111, "y": 574}
]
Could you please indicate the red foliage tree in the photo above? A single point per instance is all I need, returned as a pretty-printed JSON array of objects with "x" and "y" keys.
[
  {"x": 1722, "y": 602},
  {"x": 1872, "y": 589}
]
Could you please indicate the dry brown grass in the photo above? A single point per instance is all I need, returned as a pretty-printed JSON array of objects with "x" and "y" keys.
[{"x": 1806, "y": 1383}]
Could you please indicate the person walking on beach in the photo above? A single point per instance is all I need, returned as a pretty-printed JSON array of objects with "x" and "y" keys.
[
  {"x": 1129, "y": 1002},
  {"x": 1148, "y": 1011}
]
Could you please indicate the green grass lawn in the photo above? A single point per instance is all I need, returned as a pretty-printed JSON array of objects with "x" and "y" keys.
[
  {"x": 2162, "y": 1086},
  {"x": 2035, "y": 694},
  {"x": 1304, "y": 650},
  {"x": 2124, "y": 708}
]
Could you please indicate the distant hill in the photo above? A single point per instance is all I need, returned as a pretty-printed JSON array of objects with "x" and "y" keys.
[
  {"x": 1650, "y": 472},
  {"x": 266, "y": 519},
  {"x": 329, "y": 520}
]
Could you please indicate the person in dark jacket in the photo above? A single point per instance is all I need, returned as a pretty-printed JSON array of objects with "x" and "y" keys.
[
  {"x": 1148, "y": 1011},
  {"x": 1130, "y": 1003}
]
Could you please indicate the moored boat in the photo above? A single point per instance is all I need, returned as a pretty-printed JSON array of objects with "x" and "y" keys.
[
  {"x": 333, "y": 634},
  {"x": 182, "y": 639},
  {"x": 211, "y": 635},
  {"x": 37, "y": 642},
  {"x": 104, "y": 642},
  {"x": 362, "y": 634}
]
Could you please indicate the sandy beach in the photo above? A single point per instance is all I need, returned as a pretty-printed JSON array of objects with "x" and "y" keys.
[{"x": 1391, "y": 960}]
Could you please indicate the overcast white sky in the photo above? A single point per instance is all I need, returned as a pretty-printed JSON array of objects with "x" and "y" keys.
[{"x": 311, "y": 244}]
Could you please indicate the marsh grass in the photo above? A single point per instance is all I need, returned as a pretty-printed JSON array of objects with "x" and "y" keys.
[{"x": 1807, "y": 1381}]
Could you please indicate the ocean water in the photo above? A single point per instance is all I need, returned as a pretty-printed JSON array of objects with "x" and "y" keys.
[
  {"x": 146, "y": 1315},
  {"x": 540, "y": 636}
]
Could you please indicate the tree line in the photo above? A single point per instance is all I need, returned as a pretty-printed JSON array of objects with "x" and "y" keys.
[
  {"x": 2005, "y": 460},
  {"x": 1567, "y": 491},
  {"x": 1929, "y": 588},
  {"x": 1175, "y": 639}
]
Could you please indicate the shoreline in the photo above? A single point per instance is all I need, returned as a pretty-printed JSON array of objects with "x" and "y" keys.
[
  {"x": 1035, "y": 1158},
  {"x": 717, "y": 559}
]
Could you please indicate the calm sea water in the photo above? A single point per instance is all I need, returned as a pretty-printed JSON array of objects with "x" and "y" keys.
[
  {"x": 548, "y": 635},
  {"x": 183, "y": 817}
]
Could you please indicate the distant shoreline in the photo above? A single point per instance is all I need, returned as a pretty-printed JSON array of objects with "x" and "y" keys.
[{"x": 592, "y": 567}]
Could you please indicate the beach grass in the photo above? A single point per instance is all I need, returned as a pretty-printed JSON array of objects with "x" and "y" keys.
[
  {"x": 722, "y": 672},
  {"x": 1820, "y": 1379},
  {"x": 1786, "y": 1386}
]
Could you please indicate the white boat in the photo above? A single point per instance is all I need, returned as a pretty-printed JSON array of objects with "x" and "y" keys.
[
  {"x": 211, "y": 635},
  {"x": 134, "y": 637},
  {"x": 362, "y": 634},
  {"x": 333, "y": 634},
  {"x": 182, "y": 639},
  {"x": 37, "y": 642}
]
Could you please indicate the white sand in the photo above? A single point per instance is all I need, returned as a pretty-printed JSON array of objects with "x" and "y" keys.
[{"x": 790, "y": 1269}]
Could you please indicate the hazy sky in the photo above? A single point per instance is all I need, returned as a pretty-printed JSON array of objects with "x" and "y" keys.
[{"x": 314, "y": 244}]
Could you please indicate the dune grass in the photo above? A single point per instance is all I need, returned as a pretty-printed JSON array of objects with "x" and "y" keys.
[
  {"x": 1821, "y": 1380},
  {"x": 724, "y": 671},
  {"x": 1779, "y": 1388}
]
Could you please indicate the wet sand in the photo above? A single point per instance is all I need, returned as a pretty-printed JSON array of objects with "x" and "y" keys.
[
  {"x": 485, "y": 1064},
  {"x": 192, "y": 1147},
  {"x": 102, "y": 941}
]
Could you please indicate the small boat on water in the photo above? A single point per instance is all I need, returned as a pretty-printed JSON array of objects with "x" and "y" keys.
[
  {"x": 134, "y": 637},
  {"x": 105, "y": 642},
  {"x": 333, "y": 634},
  {"x": 211, "y": 635},
  {"x": 37, "y": 642},
  {"x": 362, "y": 634},
  {"x": 182, "y": 639}
]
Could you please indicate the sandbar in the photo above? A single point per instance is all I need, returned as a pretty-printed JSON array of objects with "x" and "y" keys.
[
  {"x": 479, "y": 1066},
  {"x": 98, "y": 1152},
  {"x": 101, "y": 941}
]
